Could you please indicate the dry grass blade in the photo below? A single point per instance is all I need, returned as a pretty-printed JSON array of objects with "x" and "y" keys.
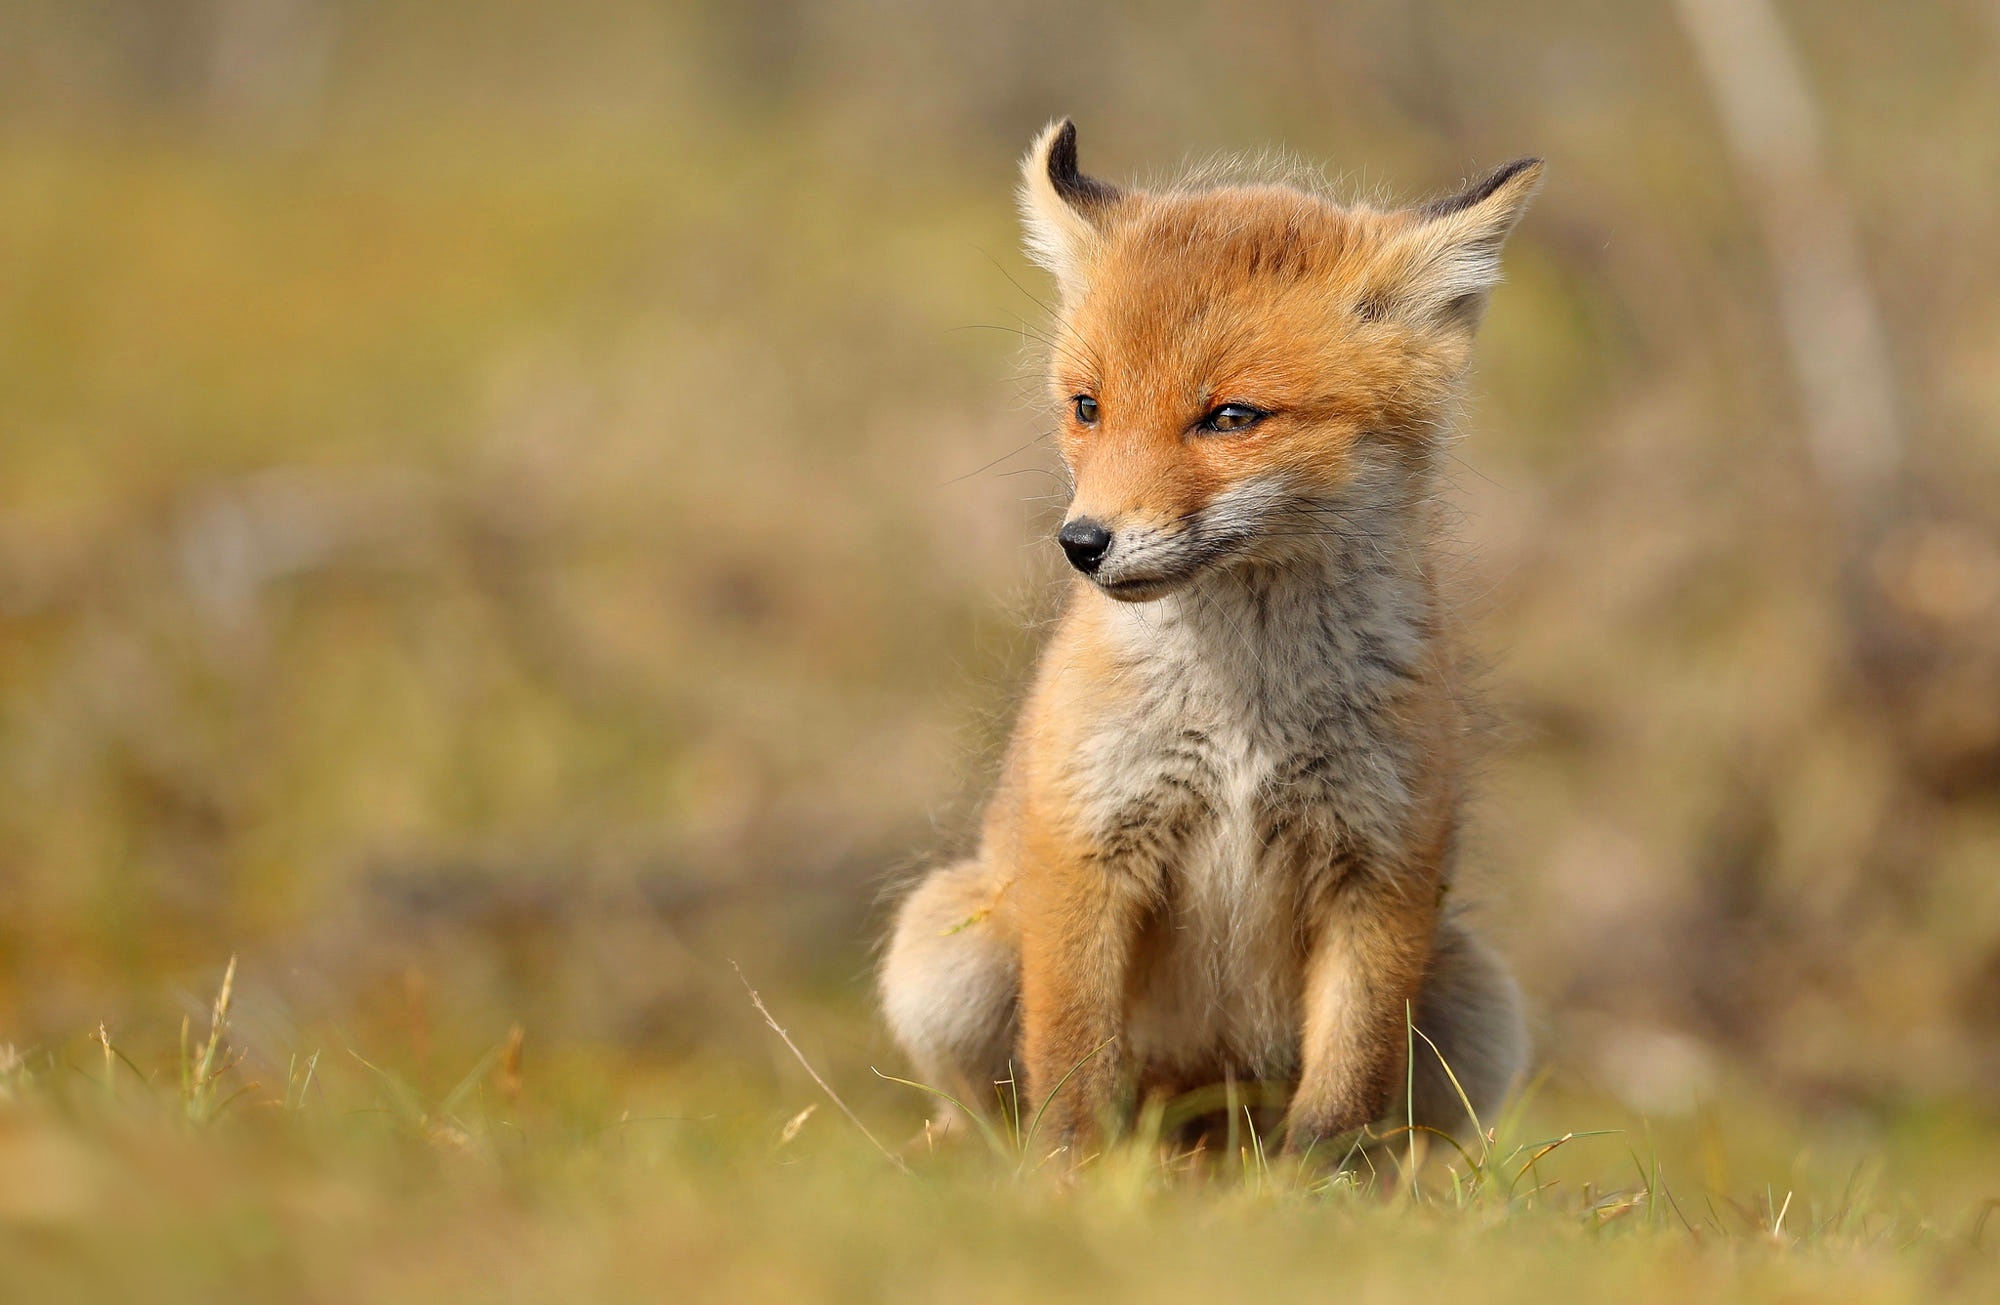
[
  {"x": 218, "y": 1017},
  {"x": 795, "y": 1123},
  {"x": 507, "y": 1076},
  {"x": 800, "y": 1056},
  {"x": 200, "y": 1071}
]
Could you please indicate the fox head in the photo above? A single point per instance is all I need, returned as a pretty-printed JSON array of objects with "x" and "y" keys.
[{"x": 1239, "y": 368}]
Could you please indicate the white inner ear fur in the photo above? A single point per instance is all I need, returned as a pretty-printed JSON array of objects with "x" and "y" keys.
[
  {"x": 1447, "y": 265},
  {"x": 1059, "y": 237}
]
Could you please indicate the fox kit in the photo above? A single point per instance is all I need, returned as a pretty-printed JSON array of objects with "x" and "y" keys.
[{"x": 1223, "y": 836}]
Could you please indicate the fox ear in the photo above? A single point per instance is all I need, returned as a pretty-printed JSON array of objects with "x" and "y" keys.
[
  {"x": 1061, "y": 208},
  {"x": 1447, "y": 260}
]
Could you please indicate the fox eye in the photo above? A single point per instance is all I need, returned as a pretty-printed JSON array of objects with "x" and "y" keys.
[
  {"x": 1232, "y": 416},
  {"x": 1086, "y": 409}
]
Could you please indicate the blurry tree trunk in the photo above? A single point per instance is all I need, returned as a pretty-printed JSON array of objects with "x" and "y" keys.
[
  {"x": 1833, "y": 329},
  {"x": 253, "y": 70},
  {"x": 267, "y": 64}
]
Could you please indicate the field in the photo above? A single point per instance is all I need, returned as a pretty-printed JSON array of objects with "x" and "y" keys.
[
  {"x": 515, "y": 1174},
  {"x": 510, "y": 512}
]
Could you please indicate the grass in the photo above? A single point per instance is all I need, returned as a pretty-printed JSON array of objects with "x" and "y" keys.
[{"x": 564, "y": 1173}]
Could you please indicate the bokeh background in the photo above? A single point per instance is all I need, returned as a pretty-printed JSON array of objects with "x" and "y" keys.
[{"x": 507, "y": 508}]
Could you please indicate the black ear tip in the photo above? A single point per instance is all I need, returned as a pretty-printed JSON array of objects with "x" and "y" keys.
[
  {"x": 1073, "y": 186},
  {"x": 1481, "y": 190},
  {"x": 1503, "y": 174},
  {"x": 1062, "y": 154}
]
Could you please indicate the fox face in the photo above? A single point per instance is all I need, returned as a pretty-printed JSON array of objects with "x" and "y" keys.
[{"x": 1239, "y": 369}]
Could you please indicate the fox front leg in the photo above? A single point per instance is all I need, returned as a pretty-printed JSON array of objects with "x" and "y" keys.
[
  {"x": 1365, "y": 968},
  {"x": 1074, "y": 962}
]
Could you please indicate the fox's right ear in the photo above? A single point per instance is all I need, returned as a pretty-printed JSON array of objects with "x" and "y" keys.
[{"x": 1061, "y": 208}]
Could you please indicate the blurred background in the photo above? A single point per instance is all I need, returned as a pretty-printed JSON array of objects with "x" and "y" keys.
[{"x": 505, "y": 508}]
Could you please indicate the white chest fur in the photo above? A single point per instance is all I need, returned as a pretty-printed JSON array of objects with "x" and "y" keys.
[{"x": 1222, "y": 971}]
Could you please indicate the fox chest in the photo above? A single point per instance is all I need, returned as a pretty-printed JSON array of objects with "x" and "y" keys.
[
  {"x": 1219, "y": 968},
  {"x": 1253, "y": 759},
  {"x": 1235, "y": 834}
]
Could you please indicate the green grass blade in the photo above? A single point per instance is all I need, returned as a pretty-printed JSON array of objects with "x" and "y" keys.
[
  {"x": 986, "y": 1130},
  {"x": 1036, "y": 1125}
]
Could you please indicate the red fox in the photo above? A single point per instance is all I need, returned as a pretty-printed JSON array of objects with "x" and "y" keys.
[{"x": 1223, "y": 836}]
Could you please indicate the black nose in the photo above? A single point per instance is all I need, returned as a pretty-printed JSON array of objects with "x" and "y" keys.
[{"x": 1086, "y": 542}]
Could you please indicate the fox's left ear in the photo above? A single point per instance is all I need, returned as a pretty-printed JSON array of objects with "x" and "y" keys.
[
  {"x": 1443, "y": 265},
  {"x": 1061, "y": 208}
]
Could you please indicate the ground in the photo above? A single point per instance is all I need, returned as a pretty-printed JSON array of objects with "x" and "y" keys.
[{"x": 560, "y": 1173}]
